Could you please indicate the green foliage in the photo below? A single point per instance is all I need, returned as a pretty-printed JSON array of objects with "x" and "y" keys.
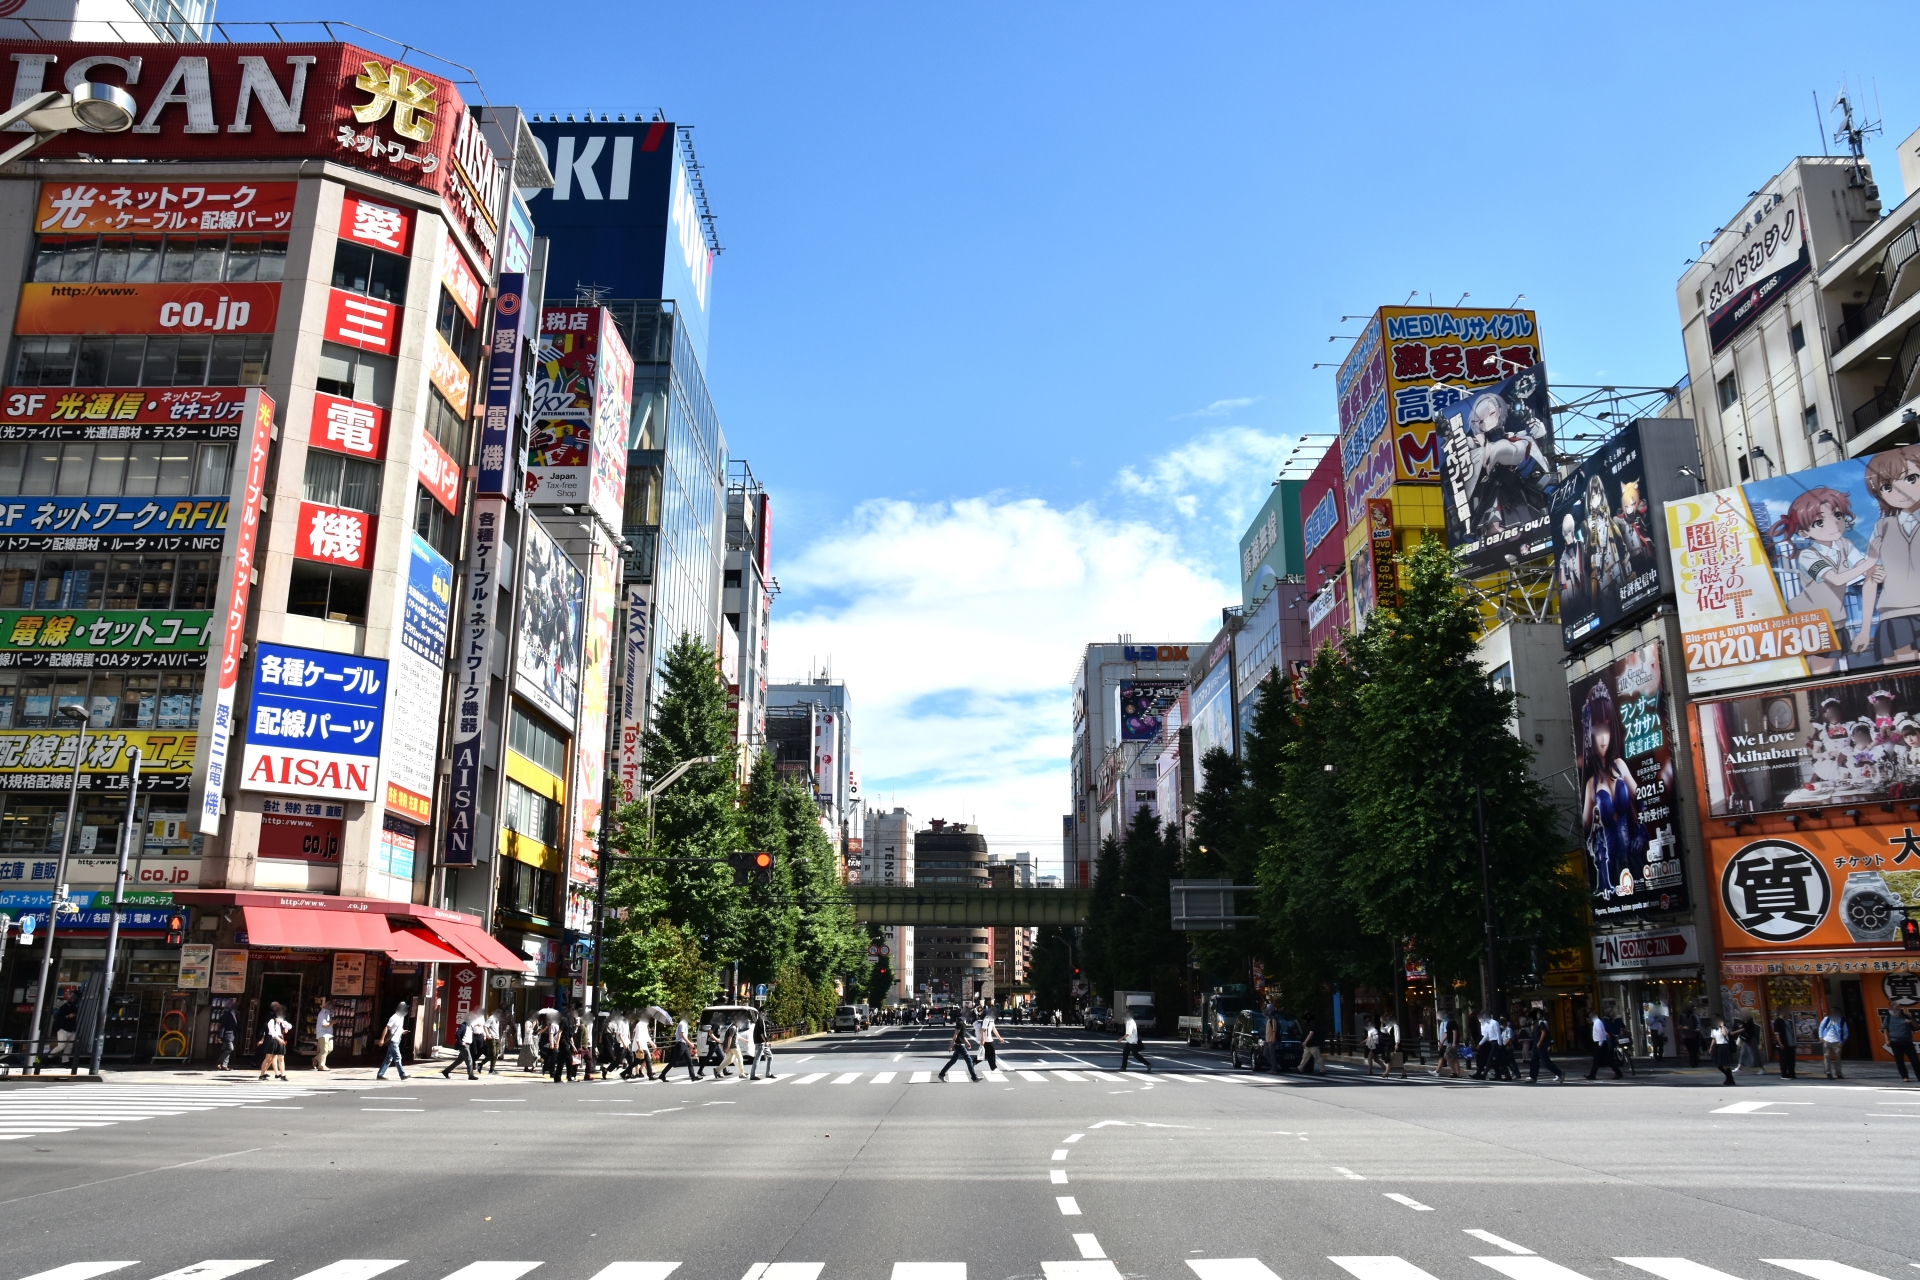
[
  {"x": 770, "y": 914},
  {"x": 827, "y": 943},
  {"x": 1051, "y": 974},
  {"x": 792, "y": 1000}
]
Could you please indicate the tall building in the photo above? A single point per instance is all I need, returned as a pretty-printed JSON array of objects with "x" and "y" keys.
[
  {"x": 746, "y": 606},
  {"x": 951, "y": 964},
  {"x": 1122, "y": 693},
  {"x": 235, "y": 483},
  {"x": 123, "y": 21},
  {"x": 887, "y": 859},
  {"x": 1012, "y": 945},
  {"x": 824, "y": 704}
]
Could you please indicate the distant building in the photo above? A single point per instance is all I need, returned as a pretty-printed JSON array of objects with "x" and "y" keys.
[
  {"x": 1123, "y": 697},
  {"x": 887, "y": 859},
  {"x": 822, "y": 702},
  {"x": 951, "y": 964}
]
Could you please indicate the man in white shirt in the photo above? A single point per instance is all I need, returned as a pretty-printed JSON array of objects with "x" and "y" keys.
[
  {"x": 390, "y": 1037},
  {"x": 322, "y": 1035},
  {"x": 1833, "y": 1034},
  {"x": 493, "y": 1043},
  {"x": 1130, "y": 1044},
  {"x": 1602, "y": 1049},
  {"x": 642, "y": 1031}
]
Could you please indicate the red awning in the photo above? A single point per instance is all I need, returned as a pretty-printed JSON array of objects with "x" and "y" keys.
[
  {"x": 477, "y": 945},
  {"x": 414, "y": 945},
  {"x": 331, "y": 930}
]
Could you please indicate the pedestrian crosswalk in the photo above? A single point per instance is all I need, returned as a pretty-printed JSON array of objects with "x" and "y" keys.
[
  {"x": 1517, "y": 1263},
  {"x": 1014, "y": 1076},
  {"x": 31, "y": 1111}
]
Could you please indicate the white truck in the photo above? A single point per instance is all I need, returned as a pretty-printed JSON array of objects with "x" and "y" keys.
[{"x": 1140, "y": 1005}]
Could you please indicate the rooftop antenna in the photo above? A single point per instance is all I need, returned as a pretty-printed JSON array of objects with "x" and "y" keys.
[
  {"x": 1851, "y": 135},
  {"x": 588, "y": 295}
]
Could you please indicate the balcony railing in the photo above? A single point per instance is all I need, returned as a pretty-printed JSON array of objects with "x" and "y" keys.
[{"x": 1887, "y": 285}]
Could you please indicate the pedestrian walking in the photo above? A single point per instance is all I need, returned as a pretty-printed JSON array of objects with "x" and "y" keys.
[
  {"x": 1746, "y": 1034},
  {"x": 1657, "y": 1034},
  {"x": 680, "y": 1053},
  {"x": 730, "y": 1052},
  {"x": 1540, "y": 1053},
  {"x": 1722, "y": 1051},
  {"x": 763, "y": 1040},
  {"x": 1602, "y": 1050},
  {"x": 747, "y": 1051},
  {"x": 1900, "y": 1041},
  {"x": 1690, "y": 1036},
  {"x": 1310, "y": 1063},
  {"x": 66, "y": 1026},
  {"x": 1833, "y": 1034},
  {"x": 226, "y": 1030},
  {"x": 960, "y": 1054},
  {"x": 273, "y": 1042},
  {"x": 1504, "y": 1066},
  {"x": 544, "y": 1039},
  {"x": 1373, "y": 1046},
  {"x": 1449, "y": 1061},
  {"x": 1396, "y": 1052},
  {"x": 1130, "y": 1044},
  {"x": 390, "y": 1037},
  {"x": 490, "y": 1041},
  {"x": 1483, "y": 1049},
  {"x": 322, "y": 1033},
  {"x": 531, "y": 1043},
  {"x": 989, "y": 1037},
  {"x": 1786, "y": 1045},
  {"x": 463, "y": 1039}
]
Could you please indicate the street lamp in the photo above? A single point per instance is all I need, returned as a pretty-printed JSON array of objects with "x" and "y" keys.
[
  {"x": 95, "y": 108},
  {"x": 59, "y": 899}
]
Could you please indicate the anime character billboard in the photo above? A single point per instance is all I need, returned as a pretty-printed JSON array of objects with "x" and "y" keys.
[
  {"x": 1811, "y": 573},
  {"x": 1498, "y": 447},
  {"x": 1624, "y": 751},
  {"x": 1839, "y": 742},
  {"x": 1606, "y": 566}
]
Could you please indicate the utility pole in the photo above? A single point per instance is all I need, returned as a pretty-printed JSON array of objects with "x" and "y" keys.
[
  {"x": 119, "y": 897},
  {"x": 1491, "y": 966}
]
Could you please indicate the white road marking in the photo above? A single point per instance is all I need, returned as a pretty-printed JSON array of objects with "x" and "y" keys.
[
  {"x": 884, "y": 1077},
  {"x": 393, "y": 1108},
  {"x": 1081, "y": 1270},
  {"x": 1408, "y": 1201},
  {"x": 492, "y": 1271},
  {"x": 79, "y": 1271},
  {"x": 354, "y": 1269},
  {"x": 1059, "y": 1176},
  {"x": 1231, "y": 1269},
  {"x": 1348, "y": 1173},
  {"x": 215, "y": 1269},
  {"x": 1068, "y": 1206},
  {"x": 1501, "y": 1242},
  {"x": 818, "y": 1075},
  {"x": 1379, "y": 1268},
  {"x": 922, "y": 1077},
  {"x": 245, "y": 1107},
  {"x": 1755, "y": 1108},
  {"x": 1109, "y": 1124},
  {"x": 1821, "y": 1269},
  {"x": 793, "y": 1271},
  {"x": 1676, "y": 1268},
  {"x": 1073, "y": 1137},
  {"x": 1530, "y": 1268},
  {"x": 1033, "y": 1076},
  {"x": 635, "y": 1271},
  {"x": 929, "y": 1271},
  {"x": 1059, "y": 1153},
  {"x": 847, "y": 1078},
  {"x": 1101, "y": 1075},
  {"x": 997, "y": 1076},
  {"x": 1089, "y": 1246}
]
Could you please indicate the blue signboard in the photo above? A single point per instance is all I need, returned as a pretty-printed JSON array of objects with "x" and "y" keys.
[
  {"x": 499, "y": 476},
  {"x": 423, "y": 625},
  {"x": 622, "y": 216},
  {"x": 27, "y": 523},
  {"x": 313, "y": 723}
]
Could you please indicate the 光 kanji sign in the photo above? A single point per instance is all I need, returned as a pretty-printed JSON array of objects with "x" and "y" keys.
[{"x": 313, "y": 723}]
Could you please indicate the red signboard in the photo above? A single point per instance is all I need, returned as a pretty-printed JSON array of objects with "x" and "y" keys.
[
  {"x": 335, "y": 535},
  {"x": 87, "y": 208},
  {"x": 438, "y": 473},
  {"x": 446, "y": 372},
  {"x": 246, "y": 534},
  {"x": 347, "y": 426},
  {"x": 461, "y": 284},
  {"x": 232, "y": 307},
  {"x": 48, "y": 406},
  {"x": 466, "y": 993},
  {"x": 367, "y": 221},
  {"x": 359, "y": 321}
]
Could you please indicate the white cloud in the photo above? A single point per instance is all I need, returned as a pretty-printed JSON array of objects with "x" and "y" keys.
[
  {"x": 956, "y": 625},
  {"x": 1220, "y": 408}
]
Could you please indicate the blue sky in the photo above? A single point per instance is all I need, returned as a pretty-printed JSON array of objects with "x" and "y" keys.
[{"x": 1019, "y": 303}]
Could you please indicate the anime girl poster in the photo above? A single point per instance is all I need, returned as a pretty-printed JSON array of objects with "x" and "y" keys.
[{"x": 1624, "y": 752}]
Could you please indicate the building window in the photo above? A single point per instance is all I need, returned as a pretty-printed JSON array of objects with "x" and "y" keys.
[
  {"x": 432, "y": 523},
  {"x": 138, "y": 468},
  {"x": 532, "y": 739},
  {"x": 335, "y": 480},
  {"x": 323, "y": 591},
  {"x": 458, "y": 330},
  {"x": 1729, "y": 392},
  {"x": 1797, "y": 337},
  {"x": 152, "y": 582},
  {"x": 532, "y": 815},
  {"x": 446, "y": 426},
  {"x": 1811, "y": 419},
  {"x": 526, "y": 890},
  {"x": 356, "y": 375},
  {"x": 165, "y": 259},
  {"x": 357, "y": 268},
  {"x": 75, "y": 360}
]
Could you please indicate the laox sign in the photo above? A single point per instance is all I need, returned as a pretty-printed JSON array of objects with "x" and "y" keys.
[{"x": 1154, "y": 653}]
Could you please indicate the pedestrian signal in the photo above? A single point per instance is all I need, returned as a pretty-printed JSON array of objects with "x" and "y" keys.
[
  {"x": 762, "y": 867},
  {"x": 176, "y": 930},
  {"x": 1910, "y": 934}
]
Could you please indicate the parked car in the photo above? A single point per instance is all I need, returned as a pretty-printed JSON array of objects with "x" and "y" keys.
[
  {"x": 715, "y": 1018},
  {"x": 846, "y": 1018},
  {"x": 1249, "y": 1043},
  {"x": 1094, "y": 1019}
]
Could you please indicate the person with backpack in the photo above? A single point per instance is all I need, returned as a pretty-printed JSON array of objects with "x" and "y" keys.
[{"x": 1833, "y": 1035}]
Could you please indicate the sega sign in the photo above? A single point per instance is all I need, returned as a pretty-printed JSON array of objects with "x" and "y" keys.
[
  {"x": 1320, "y": 521},
  {"x": 1154, "y": 653}
]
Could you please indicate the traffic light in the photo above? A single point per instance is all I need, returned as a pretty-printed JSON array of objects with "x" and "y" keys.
[
  {"x": 762, "y": 864},
  {"x": 741, "y": 865},
  {"x": 1910, "y": 934},
  {"x": 176, "y": 930}
]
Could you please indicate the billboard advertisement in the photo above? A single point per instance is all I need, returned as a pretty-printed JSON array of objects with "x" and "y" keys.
[
  {"x": 1380, "y": 546},
  {"x": 1436, "y": 357},
  {"x": 418, "y": 660},
  {"x": 42, "y": 759},
  {"x": 236, "y": 587},
  {"x": 1270, "y": 548},
  {"x": 1212, "y": 719},
  {"x": 313, "y": 723},
  {"x": 1805, "y": 574},
  {"x": 116, "y": 638},
  {"x": 496, "y": 475},
  {"x": 552, "y": 592},
  {"x": 582, "y": 396},
  {"x": 1143, "y": 707},
  {"x": 119, "y": 208},
  {"x": 230, "y": 307},
  {"x": 623, "y": 214},
  {"x": 632, "y": 696},
  {"x": 1498, "y": 449},
  {"x": 122, "y": 413},
  {"x": 589, "y": 786},
  {"x": 1322, "y": 521},
  {"x": 109, "y": 524},
  {"x": 1771, "y": 256},
  {"x": 1623, "y": 748},
  {"x": 472, "y": 674},
  {"x": 1605, "y": 560},
  {"x": 1842, "y": 742},
  {"x": 1842, "y": 888},
  {"x": 1371, "y": 478}
]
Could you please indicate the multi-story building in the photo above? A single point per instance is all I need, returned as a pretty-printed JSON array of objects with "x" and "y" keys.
[
  {"x": 1871, "y": 320},
  {"x": 1122, "y": 693},
  {"x": 951, "y": 963},
  {"x": 1011, "y": 945},
  {"x": 887, "y": 859},
  {"x": 245, "y": 337},
  {"x": 124, "y": 21},
  {"x": 830, "y": 716},
  {"x": 746, "y": 604}
]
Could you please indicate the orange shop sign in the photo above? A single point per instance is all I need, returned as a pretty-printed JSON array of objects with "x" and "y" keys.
[
  {"x": 108, "y": 208},
  {"x": 1841, "y": 888},
  {"x": 232, "y": 307},
  {"x": 438, "y": 473},
  {"x": 446, "y": 372}
]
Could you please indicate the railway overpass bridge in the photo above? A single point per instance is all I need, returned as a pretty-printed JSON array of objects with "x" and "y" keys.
[{"x": 979, "y": 908}]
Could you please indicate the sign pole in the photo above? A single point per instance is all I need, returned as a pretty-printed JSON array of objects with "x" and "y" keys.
[
  {"x": 53, "y": 908},
  {"x": 119, "y": 897}
]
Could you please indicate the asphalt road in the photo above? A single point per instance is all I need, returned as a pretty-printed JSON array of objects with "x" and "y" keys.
[{"x": 832, "y": 1172}]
